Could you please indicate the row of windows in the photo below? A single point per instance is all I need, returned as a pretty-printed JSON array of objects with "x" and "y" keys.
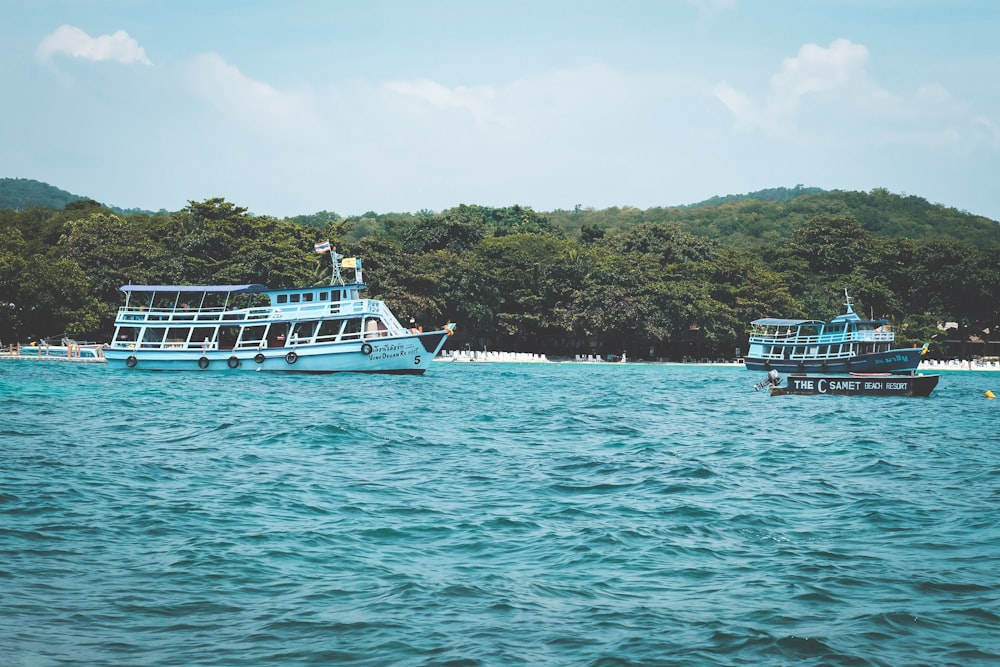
[
  {"x": 305, "y": 297},
  {"x": 822, "y": 351},
  {"x": 275, "y": 335}
]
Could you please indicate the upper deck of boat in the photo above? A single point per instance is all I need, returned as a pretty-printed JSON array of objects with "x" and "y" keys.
[{"x": 234, "y": 303}]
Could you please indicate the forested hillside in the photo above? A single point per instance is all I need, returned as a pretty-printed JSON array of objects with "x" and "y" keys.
[
  {"x": 21, "y": 193},
  {"x": 665, "y": 283}
]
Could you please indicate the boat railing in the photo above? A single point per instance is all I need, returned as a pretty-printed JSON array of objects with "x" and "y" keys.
[
  {"x": 132, "y": 316},
  {"x": 299, "y": 311},
  {"x": 824, "y": 339},
  {"x": 809, "y": 355}
]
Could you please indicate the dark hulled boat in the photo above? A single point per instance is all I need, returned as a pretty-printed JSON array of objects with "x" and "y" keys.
[{"x": 845, "y": 344}]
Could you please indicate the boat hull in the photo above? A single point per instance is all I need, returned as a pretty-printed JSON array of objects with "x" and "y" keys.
[
  {"x": 905, "y": 360},
  {"x": 883, "y": 385},
  {"x": 406, "y": 355}
]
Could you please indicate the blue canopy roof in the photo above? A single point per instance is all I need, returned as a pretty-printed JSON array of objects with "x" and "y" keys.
[{"x": 229, "y": 289}]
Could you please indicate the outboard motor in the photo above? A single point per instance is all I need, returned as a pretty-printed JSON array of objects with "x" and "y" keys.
[{"x": 773, "y": 379}]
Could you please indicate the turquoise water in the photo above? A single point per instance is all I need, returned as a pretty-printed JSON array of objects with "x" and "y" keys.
[{"x": 493, "y": 514}]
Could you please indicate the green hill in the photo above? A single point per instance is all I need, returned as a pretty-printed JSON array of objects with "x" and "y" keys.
[
  {"x": 21, "y": 193},
  {"x": 747, "y": 221},
  {"x": 770, "y": 194},
  {"x": 771, "y": 216}
]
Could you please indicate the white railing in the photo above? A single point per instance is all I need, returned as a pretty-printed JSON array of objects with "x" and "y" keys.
[
  {"x": 825, "y": 339},
  {"x": 215, "y": 317},
  {"x": 297, "y": 311}
]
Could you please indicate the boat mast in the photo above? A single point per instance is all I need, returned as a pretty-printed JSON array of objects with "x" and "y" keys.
[
  {"x": 847, "y": 298},
  {"x": 335, "y": 257}
]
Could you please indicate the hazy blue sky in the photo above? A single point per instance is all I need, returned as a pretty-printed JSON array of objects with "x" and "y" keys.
[{"x": 399, "y": 105}]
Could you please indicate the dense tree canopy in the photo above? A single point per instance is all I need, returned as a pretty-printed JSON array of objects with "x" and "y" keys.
[{"x": 671, "y": 282}]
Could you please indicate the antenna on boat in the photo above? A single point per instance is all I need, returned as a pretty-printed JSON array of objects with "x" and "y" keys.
[{"x": 847, "y": 298}]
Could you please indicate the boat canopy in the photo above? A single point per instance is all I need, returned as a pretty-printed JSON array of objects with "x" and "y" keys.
[
  {"x": 777, "y": 322},
  {"x": 224, "y": 289}
]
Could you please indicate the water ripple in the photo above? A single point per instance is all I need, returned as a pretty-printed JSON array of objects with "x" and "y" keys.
[{"x": 492, "y": 514}]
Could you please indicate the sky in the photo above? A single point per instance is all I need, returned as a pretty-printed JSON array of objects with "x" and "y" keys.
[{"x": 350, "y": 106}]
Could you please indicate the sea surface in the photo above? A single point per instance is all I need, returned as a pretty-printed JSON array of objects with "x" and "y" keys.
[{"x": 493, "y": 514}]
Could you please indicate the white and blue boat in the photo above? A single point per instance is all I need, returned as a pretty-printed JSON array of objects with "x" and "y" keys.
[
  {"x": 232, "y": 328},
  {"x": 845, "y": 344}
]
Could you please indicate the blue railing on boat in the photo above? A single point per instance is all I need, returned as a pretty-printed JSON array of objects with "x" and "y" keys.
[
  {"x": 826, "y": 339},
  {"x": 141, "y": 314}
]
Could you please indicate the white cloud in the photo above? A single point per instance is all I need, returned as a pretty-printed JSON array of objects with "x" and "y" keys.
[
  {"x": 477, "y": 100},
  {"x": 74, "y": 42},
  {"x": 817, "y": 70},
  {"x": 226, "y": 87},
  {"x": 243, "y": 104},
  {"x": 824, "y": 94},
  {"x": 739, "y": 104},
  {"x": 834, "y": 75}
]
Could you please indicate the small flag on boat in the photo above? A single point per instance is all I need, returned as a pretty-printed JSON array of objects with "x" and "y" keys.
[
  {"x": 350, "y": 263},
  {"x": 322, "y": 246}
]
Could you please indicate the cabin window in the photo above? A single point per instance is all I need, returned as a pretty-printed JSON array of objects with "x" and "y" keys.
[
  {"x": 324, "y": 296},
  {"x": 282, "y": 298},
  {"x": 252, "y": 336},
  {"x": 276, "y": 334},
  {"x": 294, "y": 298},
  {"x": 154, "y": 335},
  {"x": 177, "y": 336},
  {"x": 199, "y": 334},
  {"x": 304, "y": 330},
  {"x": 352, "y": 328},
  {"x": 127, "y": 334},
  {"x": 308, "y": 296},
  {"x": 328, "y": 329},
  {"x": 227, "y": 336},
  {"x": 375, "y": 327}
]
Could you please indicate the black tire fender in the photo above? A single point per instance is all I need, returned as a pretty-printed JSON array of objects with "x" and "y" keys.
[
  {"x": 366, "y": 348},
  {"x": 233, "y": 362},
  {"x": 203, "y": 363},
  {"x": 291, "y": 357},
  {"x": 131, "y": 361},
  {"x": 259, "y": 357}
]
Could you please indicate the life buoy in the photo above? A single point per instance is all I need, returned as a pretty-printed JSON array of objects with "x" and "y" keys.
[
  {"x": 233, "y": 362},
  {"x": 131, "y": 361},
  {"x": 259, "y": 358},
  {"x": 366, "y": 348},
  {"x": 291, "y": 357},
  {"x": 203, "y": 363}
]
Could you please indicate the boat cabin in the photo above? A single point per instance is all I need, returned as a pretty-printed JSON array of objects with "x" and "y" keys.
[
  {"x": 219, "y": 317},
  {"x": 797, "y": 340}
]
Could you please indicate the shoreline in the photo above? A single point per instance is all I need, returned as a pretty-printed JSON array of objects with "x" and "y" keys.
[{"x": 464, "y": 356}]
